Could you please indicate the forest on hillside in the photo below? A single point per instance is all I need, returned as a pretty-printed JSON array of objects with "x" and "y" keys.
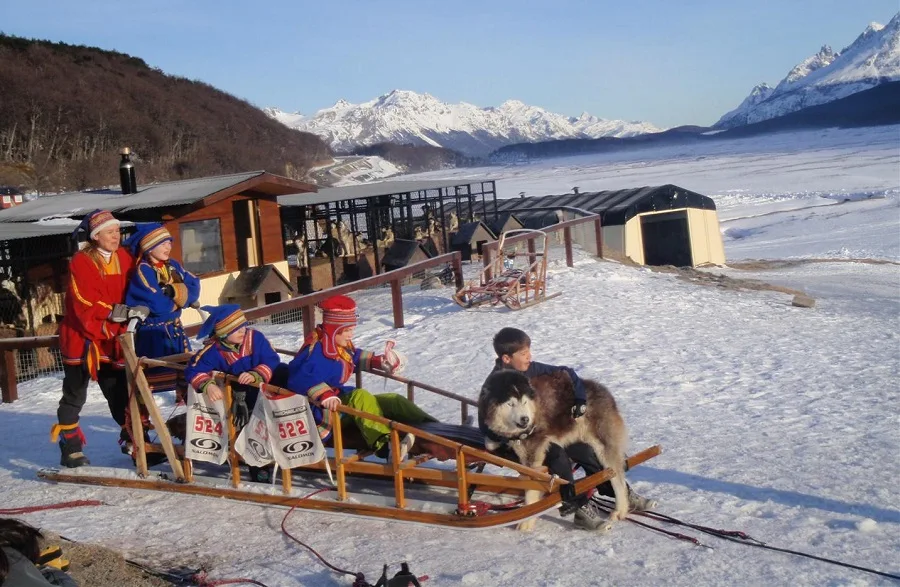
[
  {"x": 66, "y": 111},
  {"x": 415, "y": 158}
]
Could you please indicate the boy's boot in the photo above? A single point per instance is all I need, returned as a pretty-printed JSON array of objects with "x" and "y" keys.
[
  {"x": 71, "y": 441},
  {"x": 589, "y": 517}
]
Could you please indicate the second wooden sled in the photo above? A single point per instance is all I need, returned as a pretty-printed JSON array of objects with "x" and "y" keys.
[{"x": 418, "y": 489}]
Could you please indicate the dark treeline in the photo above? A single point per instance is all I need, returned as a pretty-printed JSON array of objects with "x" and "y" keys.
[
  {"x": 413, "y": 158},
  {"x": 66, "y": 111}
]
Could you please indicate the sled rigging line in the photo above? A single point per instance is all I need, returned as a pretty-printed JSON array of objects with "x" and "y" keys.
[
  {"x": 734, "y": 536},
  {"x": 54, "y": 506}
]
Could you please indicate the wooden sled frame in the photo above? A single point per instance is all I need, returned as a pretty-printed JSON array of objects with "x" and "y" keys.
[
  {"x": 516, "y": 288},
  {"x": 344, "y": 463}
]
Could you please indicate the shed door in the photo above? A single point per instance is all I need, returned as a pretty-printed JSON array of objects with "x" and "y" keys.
[{"x": 667, "y": 240}]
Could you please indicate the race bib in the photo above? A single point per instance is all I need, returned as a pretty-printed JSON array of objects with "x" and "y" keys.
[
  {"x": 253, "y": 441},
  {"x": 207, "y": 429},
  {"x": 294, "y": 439}
]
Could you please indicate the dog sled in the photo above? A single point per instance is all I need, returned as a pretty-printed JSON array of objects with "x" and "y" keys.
[
  {"x": 444, "y": 481},
  {"x": 516, "y": 280}
]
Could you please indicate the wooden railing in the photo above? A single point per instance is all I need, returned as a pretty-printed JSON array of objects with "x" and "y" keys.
[{"x": 305, "y": 303}]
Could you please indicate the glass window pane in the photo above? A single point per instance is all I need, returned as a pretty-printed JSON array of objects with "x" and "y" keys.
[{"x": 201, "y": 246}]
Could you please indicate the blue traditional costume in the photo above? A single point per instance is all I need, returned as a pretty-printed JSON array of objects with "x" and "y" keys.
[
  {"x": 253, "y": 355},
  {"x": 322, "y": 368},
  {"x": 165, "y": 287}
]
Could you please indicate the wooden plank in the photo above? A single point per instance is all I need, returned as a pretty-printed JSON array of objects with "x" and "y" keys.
[
  {"x": 398, "y": 476},
  {"x": 339, "y": 461},
  {"x": 397, "y": 303}
]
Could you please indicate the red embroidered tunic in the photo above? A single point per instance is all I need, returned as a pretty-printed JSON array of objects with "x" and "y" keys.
[{"x": 95, "y": 286}]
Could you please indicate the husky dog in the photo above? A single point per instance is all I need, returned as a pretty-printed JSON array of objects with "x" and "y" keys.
[{"x": 527, "y": 415}]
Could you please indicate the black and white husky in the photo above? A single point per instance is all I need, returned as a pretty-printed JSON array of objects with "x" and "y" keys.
[{"x": 528, "y": 414}]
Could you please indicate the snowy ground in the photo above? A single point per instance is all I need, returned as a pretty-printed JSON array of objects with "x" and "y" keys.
[{"x": 779, "y": 421}]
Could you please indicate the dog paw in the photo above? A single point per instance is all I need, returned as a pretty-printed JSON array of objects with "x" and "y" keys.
[{"x": 527, "y": 525}]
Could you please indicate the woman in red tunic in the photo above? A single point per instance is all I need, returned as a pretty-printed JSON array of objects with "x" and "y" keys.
[{"x": 95, "y": 315}]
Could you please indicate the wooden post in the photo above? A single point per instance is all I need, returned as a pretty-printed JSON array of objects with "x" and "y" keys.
[
  {"x": 464, "y": 413},
  {"x": 127, "y": 344},
  {"x": 598, "y": 229},
  {"x": 457, "y": 271},
  {"x": 286, "y": 481},
  {"x": 567, "y": 235},
  {"x": 233, "y": 461},
  {"x": 398, "y": 473},
  {"x": 486, "y": 261},
  {"x": 358, "y": 378},
  {"x": 397, "y": 303},
  {"x": 308, "y": 314},
  {"x": 8, "y": 378},
  {"x": 531, "y": 252},
  {"x": 411, "y": 391},
  {"x": 339, "y": 458},
  {"x": 462, "y": 483},
  {"x": 137, "y": 427}
]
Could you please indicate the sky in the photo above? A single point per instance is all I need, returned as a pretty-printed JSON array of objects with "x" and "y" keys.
[
  {"x": 664, "y": 62},
  {"x": 774, "y": 420}
]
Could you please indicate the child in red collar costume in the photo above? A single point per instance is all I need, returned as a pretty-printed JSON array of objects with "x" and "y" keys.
[
  {"x": 326, "y": 362},
  {"x": 164, "y": 286}
]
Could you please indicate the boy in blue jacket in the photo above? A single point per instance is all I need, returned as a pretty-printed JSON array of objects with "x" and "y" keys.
[
  {"x": 326, "y": 362},
  {"x": 234, "y": 349},
  {"x": 513, "y": 349}
]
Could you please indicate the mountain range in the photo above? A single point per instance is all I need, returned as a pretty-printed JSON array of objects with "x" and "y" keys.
[
  {"x": 872, "y": 59},
  {"x": 406, "y": 117}
]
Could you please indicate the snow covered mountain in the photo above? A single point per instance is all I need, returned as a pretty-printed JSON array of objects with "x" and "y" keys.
[
  {"x": 872, "y": 59},
  {"x": 421, "y": 119}
]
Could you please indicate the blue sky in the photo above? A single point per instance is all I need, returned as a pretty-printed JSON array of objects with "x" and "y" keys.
[{"x": 668, "y": 62}]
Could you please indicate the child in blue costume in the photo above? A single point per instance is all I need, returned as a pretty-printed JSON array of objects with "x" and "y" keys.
[
  {"x": 164, "y": 286},
  {"x": 234, "y": 349},
  {"x": 326, "y": 362}
]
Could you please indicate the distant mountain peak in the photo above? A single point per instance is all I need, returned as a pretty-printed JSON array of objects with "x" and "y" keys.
[
  {"x": 407, "y": 117},
  {"x": 872, "y": 59}
]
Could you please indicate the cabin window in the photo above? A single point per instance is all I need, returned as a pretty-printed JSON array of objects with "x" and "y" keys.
[{"x": 201, "y": 246}]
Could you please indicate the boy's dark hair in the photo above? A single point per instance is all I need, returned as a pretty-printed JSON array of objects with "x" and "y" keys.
[
  {"x": 510, "y": 340},
  {"x": 18, "y": 536}
]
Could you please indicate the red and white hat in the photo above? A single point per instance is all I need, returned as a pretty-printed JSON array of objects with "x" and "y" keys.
[
  {"x": 338, "y": 312},
  {"x": 100, "y": 220}
]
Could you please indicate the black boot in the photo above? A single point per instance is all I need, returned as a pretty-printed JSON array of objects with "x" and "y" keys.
[{"x": 70, "y": 445}]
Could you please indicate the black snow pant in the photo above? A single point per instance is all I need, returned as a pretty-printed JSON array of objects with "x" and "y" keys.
[
  {"x": 559, "y": 462},
  {"x": 76, "y": 378}
]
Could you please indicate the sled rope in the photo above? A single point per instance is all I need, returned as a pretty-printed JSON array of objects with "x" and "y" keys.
[
  {"x": 607, "y": 507},
  {"x": 359, "y": 577},
  {"x": 743, "y": 538},
  {"x": 55, "y": 506}
]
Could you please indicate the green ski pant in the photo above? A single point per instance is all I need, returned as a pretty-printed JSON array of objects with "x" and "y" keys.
[{"x": 392, "y": 406}]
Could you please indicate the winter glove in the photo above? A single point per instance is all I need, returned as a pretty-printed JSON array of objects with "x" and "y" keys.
[
  {"x": 579, "y": 408},
  {"x": 390, "y": 360},
  {"x": 167, "y": 290},
  {"x": 123, "y": 313},
  {"x": 239, "y": 409}
]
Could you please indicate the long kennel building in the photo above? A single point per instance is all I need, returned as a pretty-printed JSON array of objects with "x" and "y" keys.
[{"x": 654, "y": 225}]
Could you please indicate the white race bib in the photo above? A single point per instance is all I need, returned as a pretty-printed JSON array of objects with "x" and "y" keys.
[
  {"x": 207, "y": 429},
  {"x": 292, "y": 431},
  {"x": 253, "y": 442}
]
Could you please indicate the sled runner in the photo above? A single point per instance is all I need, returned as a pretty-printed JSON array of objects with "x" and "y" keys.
[
  {"x": 508, "y": 279},
  {"x": 435, "y": 485}
]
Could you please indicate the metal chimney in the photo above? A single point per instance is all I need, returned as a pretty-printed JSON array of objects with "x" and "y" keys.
[
  {"x": 575, "y": 190},
  {"x": 126, "y": 173}
]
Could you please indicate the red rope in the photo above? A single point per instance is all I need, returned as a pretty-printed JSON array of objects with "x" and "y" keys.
[{"x": 55, "y": 506}]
